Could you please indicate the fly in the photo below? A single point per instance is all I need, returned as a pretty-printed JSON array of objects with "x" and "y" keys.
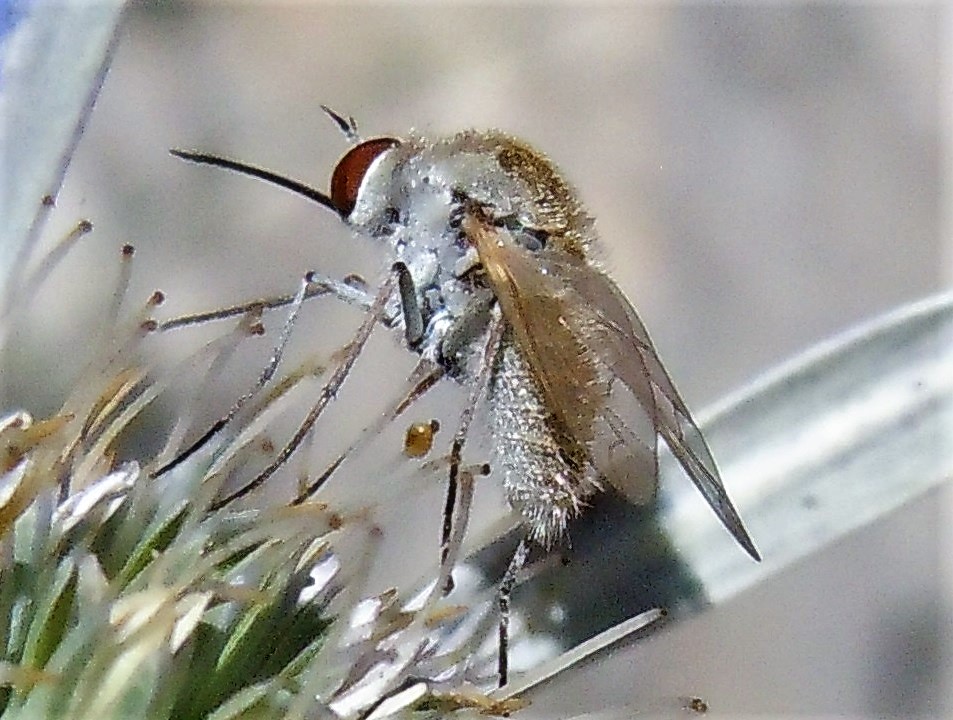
[{"x": 494, "y": 285}]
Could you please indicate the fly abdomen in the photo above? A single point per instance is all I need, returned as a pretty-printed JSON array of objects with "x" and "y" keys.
[{"x": 544, "y": 478}]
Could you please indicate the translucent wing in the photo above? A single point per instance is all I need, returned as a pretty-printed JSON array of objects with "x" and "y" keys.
[
  {"x": 583, "y": 339},
  {"x": 622, "y": 334},
  {"x": 621, "y": 445}
]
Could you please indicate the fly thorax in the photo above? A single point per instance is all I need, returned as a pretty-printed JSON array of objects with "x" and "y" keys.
[{"x": 414, "y": 198}]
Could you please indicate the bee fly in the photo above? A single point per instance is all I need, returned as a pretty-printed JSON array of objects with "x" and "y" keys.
[{"x": 495, "y": 288}]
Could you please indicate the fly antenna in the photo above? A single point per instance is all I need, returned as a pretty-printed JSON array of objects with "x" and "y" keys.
[{"x": 348, "y": 126}]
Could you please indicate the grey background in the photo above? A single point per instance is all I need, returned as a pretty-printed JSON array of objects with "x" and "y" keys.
[{"x": 762, "y": 177}]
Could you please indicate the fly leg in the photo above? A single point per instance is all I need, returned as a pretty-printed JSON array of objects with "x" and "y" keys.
[
  {"x": 425, "y": 376},
  {"x": 350, "y": 290},
  {"x": 266, "y": 374},
  {"x": 348, "y": 357},
  {"x": 452, "y": 531},
  {"x": 506, "y": 589},
  {"x": 466, "y": 330}
]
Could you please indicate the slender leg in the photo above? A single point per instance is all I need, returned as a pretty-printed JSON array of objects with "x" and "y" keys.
[
  {"x": 318, "y": 286},
  {"x": 330, "y": 389},
  {"x": 315, "y": 285},
  {"x": 506, "y": 588},
  {"x": 266, "y": 374},
  {"x": 424, "y": 378},
  {"x": 492, "y": 344},
  {"x": 448, "y": 506}
]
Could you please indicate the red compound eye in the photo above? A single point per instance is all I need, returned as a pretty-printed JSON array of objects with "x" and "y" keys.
[{"x": 351, "y": 169}]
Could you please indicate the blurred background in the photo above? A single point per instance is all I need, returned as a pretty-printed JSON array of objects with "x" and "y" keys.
[{"x": 763, "y": 178}]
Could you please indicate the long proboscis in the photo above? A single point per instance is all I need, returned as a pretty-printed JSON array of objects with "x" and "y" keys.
[{"x": 256, "y": 172}]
